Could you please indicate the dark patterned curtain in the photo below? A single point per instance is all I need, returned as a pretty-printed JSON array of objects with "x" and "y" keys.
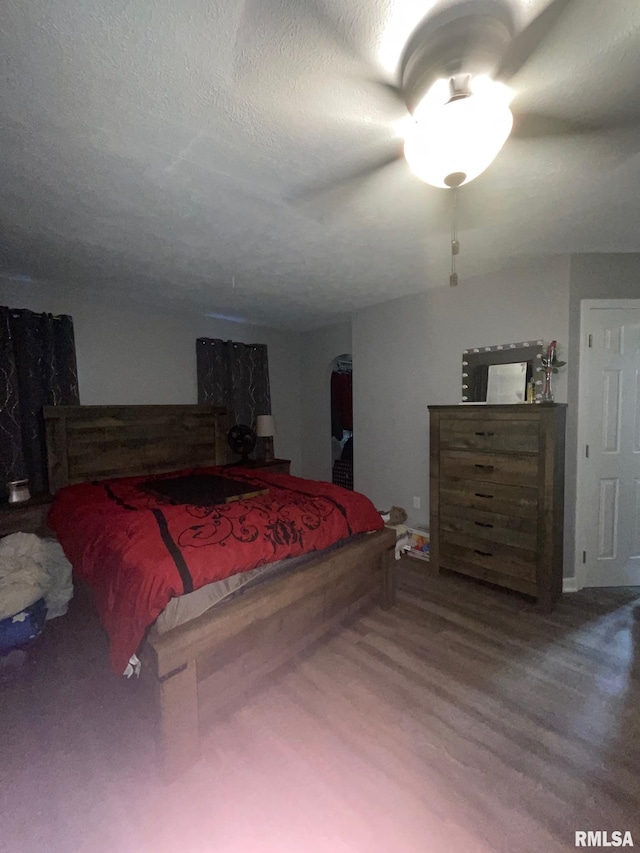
[
  {"x": 236, "y": 376},
  {"x": 37, "y": 368}
]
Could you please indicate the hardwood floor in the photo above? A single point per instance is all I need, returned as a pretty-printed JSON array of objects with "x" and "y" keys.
[{"x": 464, "y": 719}]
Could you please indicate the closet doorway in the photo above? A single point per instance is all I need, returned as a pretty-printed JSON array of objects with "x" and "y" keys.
[{"x": 342, "y": 421}]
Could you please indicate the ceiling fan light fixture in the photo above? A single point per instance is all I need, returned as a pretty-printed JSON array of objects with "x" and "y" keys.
[
  {"x": 492, "y": 91},
  {"x": 454, "y": 141}
]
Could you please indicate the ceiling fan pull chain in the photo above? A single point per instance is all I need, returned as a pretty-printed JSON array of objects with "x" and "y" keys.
[{"x": 455, "y": 245}]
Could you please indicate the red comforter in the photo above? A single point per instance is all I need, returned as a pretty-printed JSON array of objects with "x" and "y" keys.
[{"x": 138, "y": 551}]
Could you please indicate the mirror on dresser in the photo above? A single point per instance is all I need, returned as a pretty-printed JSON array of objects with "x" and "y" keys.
[{"x": 502, "y": 370}]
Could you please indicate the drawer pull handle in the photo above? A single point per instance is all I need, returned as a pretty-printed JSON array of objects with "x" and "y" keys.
[
  {"x": 483, "y": 553},
  {"x": 482, "y": 495},
  {"x": 489, "y": 434},
  {"x": 483, "y": 524},
  {"x": 484, "y": 467}
]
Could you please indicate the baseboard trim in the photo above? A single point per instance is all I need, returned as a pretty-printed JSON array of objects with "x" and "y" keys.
[{"x": 569, "y": 585}]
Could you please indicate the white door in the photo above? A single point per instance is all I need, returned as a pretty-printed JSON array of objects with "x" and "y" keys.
[{"x": 609, "y": 481}]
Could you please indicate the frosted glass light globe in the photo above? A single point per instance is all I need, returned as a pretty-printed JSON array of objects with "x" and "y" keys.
[{"x": 460, "y": 137}]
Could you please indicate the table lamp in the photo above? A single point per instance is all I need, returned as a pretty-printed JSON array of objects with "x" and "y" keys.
[{"x": 266, "y": 429}]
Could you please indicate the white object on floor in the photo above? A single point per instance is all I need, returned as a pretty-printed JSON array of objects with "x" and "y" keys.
[
  {"x": 133, "y": 667},
  {"x": 30, "y": 568},
  {"x": 403, "y": 544},
  {"x": 23, "y": 579},
  {"x": 403, "y": 538},
  {"x": 60, "y": 590}
]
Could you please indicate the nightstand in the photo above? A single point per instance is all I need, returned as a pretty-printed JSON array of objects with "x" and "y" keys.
[
  {"x": 28, "y": 517},
  {"x": 278, "y": 466}
]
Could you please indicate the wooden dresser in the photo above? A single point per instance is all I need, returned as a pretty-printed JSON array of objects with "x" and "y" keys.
[{"x": 496, "y": 494}]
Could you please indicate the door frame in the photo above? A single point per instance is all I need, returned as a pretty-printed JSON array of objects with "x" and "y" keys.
[{"x": 586, "y": 305}]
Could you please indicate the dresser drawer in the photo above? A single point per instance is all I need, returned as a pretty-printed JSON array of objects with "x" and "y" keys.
[
  {"x": 490, "y": 435},
  {"x": 498, "y": 558},
  {"x": 509, "y": 581},
  {"x": 489, "y": 526},
  {"x": 521, "y": 501},
  {"x": 490, "y": 467}
]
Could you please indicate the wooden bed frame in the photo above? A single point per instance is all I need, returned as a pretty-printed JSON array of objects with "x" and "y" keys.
[{"x": 208, "y": 664}]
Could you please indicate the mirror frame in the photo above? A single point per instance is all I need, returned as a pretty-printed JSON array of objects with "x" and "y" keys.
[{"x": 476, "y": 362}]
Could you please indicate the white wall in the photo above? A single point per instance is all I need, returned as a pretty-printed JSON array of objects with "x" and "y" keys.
[
  {"x": 318, "y": 349},
  {"x": 132, "y": 353},
  {"x": 407, "y": 355}
]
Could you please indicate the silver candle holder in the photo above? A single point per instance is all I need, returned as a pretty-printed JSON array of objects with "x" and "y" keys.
[{"x": 18, "y": 491}]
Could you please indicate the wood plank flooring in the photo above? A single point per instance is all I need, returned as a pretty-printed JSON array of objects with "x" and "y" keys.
[{"x": 463, "y": 719}]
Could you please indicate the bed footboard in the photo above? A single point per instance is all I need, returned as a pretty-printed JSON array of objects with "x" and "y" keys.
[{"x": 206, "y": 665}]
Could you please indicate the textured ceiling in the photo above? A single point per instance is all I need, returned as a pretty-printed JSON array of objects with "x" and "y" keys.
[{"x": 163, "y": 150}]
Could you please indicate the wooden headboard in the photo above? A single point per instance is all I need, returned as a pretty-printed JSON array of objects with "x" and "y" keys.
[{"x": 87, "y": 443}]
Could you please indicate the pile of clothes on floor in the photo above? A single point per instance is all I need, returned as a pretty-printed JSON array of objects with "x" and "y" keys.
[{"x": 35, "y": 585}]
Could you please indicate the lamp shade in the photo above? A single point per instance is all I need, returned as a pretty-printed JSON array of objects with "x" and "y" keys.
[
  {"x": 265, "y": 426},
  {"x": 460, "y": 138}
]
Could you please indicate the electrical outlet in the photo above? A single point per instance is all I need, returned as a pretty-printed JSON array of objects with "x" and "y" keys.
[{"x": 416, "y": 502}]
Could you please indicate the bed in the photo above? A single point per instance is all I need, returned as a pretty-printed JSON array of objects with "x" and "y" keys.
[{"x": 201, "y": 667}]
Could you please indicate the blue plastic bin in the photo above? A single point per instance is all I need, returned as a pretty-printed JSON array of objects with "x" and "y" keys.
[{"x": 17, "y": 630}]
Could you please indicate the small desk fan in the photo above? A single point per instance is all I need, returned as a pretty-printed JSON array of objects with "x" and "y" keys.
[{"x": 242, "y": 439}]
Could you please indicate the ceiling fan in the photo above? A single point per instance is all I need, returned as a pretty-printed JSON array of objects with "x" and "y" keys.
[{"x": 453, "y": 78}]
